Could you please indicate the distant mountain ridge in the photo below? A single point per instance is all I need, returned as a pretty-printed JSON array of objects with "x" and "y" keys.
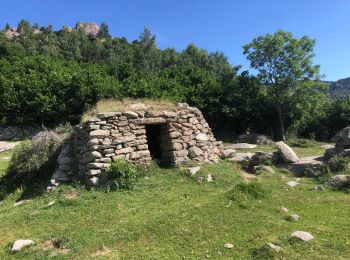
[{"x": 340, "y": 88}]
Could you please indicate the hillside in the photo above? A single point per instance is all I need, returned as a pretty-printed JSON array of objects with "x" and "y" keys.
[{"x": 340, "y": 88}]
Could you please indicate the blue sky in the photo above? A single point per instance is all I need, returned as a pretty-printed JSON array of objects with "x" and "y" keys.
[{"x": 220, "y": 25}]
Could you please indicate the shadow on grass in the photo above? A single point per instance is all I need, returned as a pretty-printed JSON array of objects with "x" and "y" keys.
[{"x": 32, "y": 183}]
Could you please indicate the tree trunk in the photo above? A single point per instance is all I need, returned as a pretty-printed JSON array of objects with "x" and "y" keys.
[{"x": 281, "y": 124}]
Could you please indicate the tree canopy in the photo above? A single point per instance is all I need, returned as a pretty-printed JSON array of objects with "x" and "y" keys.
[
  {"x": 285, "y": 65},
  {"x": 52, "y": 76}
]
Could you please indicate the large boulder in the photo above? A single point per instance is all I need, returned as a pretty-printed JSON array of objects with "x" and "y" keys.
[
  {"x": 340, "y": 151},
  {"x": 287, "y": 154},
  {"x": 312, "y": 166},
  {"x": 342, "y": 138},
  {"x": 339, "y": 181},
  {"x": 89, "y": 28},
  {"x": 262, "y": 158}
]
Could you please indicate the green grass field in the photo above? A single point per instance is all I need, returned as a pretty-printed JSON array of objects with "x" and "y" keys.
[{"x": 172, "y": 215}]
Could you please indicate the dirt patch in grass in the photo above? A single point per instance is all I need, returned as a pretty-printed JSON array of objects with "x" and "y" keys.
[
  {"x": 56, "y": 246},
  {"x": 72, "y": 195},
  {"x": 247, "y": 176},
  {"x": 103, "y": 252}
]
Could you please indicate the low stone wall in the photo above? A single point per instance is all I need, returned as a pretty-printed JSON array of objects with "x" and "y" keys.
[{"x": 182, "y": 134}]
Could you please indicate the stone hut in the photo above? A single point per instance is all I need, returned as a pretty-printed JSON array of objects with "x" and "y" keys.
[{"x": 171, "y": 137}]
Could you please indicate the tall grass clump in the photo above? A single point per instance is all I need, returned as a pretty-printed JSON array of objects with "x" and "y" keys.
[
  {"x": 34, "y": 161},
  {"x": 246, "y": 191}
]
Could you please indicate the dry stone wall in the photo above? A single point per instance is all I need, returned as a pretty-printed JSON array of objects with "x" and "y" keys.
[{"x": 180, "y": 134}]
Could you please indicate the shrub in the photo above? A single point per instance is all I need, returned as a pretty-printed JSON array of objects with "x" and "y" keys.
[
  {"x": 338, "y": 163},
  {"x": 33, "y": 162},
  {"x": 121, "y": 175}
]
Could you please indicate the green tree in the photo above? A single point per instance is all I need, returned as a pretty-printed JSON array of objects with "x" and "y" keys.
[
  {"x": 104, "y": 31},
  {"x": 23, "y": 27},
  {"x": 7, "y": 27},
  {"x": 284, "y": 64}
]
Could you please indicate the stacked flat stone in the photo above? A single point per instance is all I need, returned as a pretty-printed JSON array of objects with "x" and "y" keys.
[
  {"x": 64, "y": 172},
  {"x": 184, "y": 135}
]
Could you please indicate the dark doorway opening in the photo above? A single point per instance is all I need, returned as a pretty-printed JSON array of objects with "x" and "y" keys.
[
  {"x": 153, "y": 138},
  {"x": 158, "y": 139}
]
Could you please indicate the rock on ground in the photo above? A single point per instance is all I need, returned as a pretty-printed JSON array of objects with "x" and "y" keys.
[
  {"x": 242, "y": 145},
  {"x": 262, "y": 157},
  {"x": 292, "y": 183},
  {"x": 312, "y": 166},
  {"x": 241, "y": 157},
  {"x": 228, "y": 245},
  {"x": 18, "y": 203},
  {"x": 51, "y": 203},
  {"x": 19, "y": 244},
  {"x": 193, "y": 170},
  {"x": 294, "y": 217},
  {"x": 273, "y": 247},
  {"x": 283, "y": 209},
  {"x": 287, "y": 153},
  {"x": 319, "y": 188},
  {"x": 229, "y": 153},
  {"x": 302, "y": 235},
  {"x": 210, "y": 177},
  {"x": 339, "y": 181},
  {"x": 263, "y": 168}
]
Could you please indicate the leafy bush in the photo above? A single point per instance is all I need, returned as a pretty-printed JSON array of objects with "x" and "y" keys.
[
  {"x": 339, "y": 163},
  {"x": 121, "y": 175},
  {"x": 33, "y": 162}
]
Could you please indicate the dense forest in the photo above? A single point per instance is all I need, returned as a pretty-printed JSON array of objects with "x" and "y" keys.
[{"x": 48, "y": 77}]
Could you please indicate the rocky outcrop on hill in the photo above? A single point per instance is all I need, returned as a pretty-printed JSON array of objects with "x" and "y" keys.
[
  {"x": 88, "y": 28},
  {"x": 11, "y": 33},
  {"x": 340, "y": 88}
]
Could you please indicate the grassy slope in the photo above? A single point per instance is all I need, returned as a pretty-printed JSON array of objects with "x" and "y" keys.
[{"x": 171, "y": 215}]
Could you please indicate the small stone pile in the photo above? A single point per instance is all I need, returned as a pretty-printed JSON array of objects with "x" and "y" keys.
[{"x": 182, "y": 134}]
